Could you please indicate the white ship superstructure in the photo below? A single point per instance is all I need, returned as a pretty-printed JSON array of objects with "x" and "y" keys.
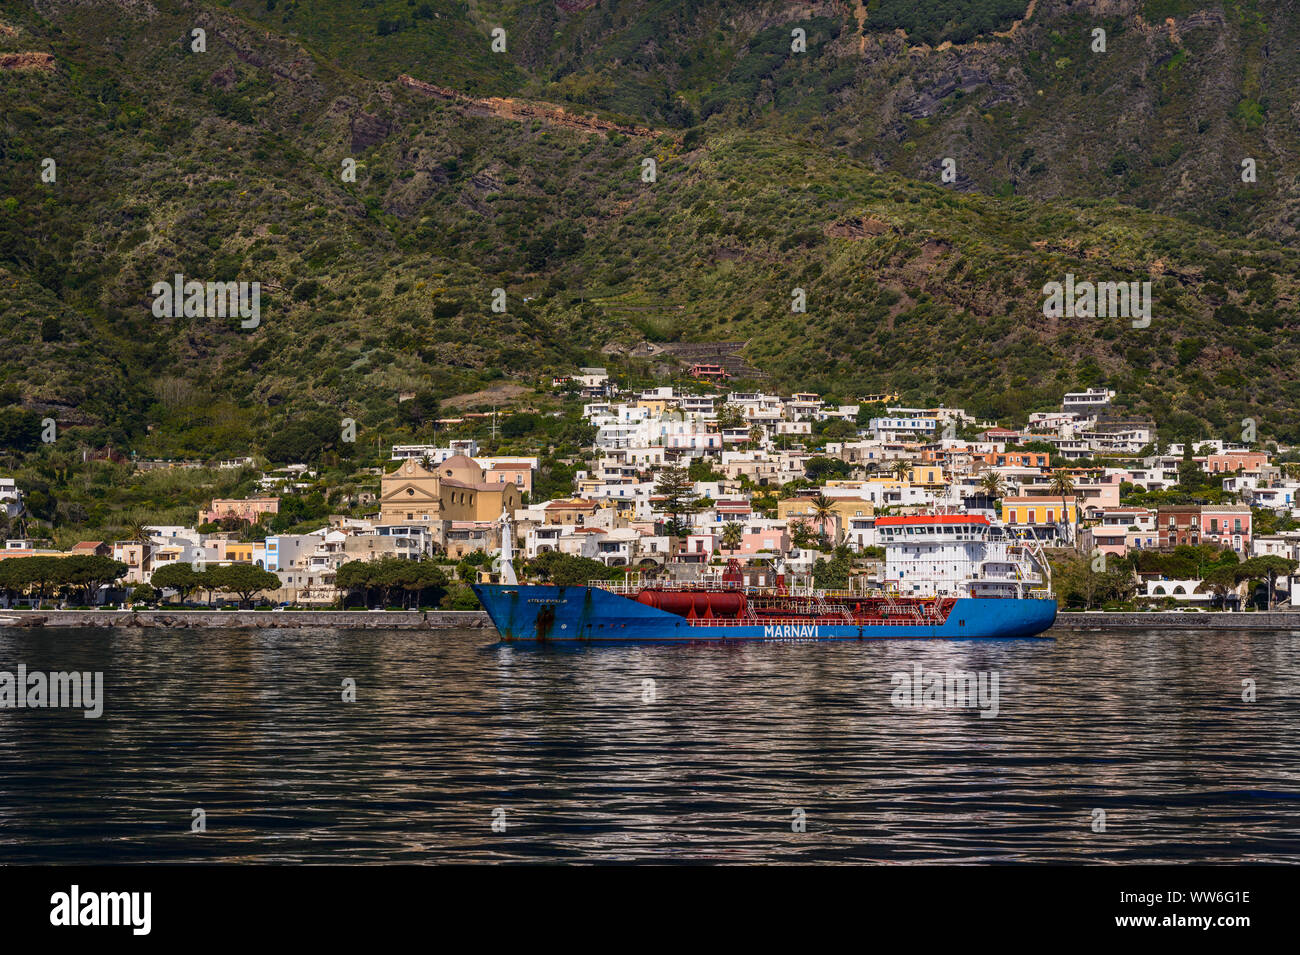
[{"x": 957, "y": 555}]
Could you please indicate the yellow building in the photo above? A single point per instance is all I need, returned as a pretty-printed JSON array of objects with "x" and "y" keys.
[
  {"x": 576, "y": 511},
  {"x": 926, "y": 475},
  {"x": 888, "y": 482},
  {"x": 238, "y": 553},
  {"x": 1037, "y": 510},
  {"x": 843, "y": 509},
  {"x": 455, "y": 490}
]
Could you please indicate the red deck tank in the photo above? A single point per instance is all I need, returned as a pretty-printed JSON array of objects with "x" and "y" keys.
[{"x": 697, "y": 603}]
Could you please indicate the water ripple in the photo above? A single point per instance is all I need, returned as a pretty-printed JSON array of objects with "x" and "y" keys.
[{"x": 449, "y": 729}]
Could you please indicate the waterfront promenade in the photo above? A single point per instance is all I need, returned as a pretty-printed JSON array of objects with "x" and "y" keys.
[
  {"x": 254, "y": 619},
  {"x": 1178, "y": 620}
]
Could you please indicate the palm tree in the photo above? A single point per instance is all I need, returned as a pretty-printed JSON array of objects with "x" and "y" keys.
[
  {"x": 732, "y": 534},
  {"x": 138, "y": 533},
  {"x": 823, "y": 509},
  {"x": 901, "y": 469},
  {"x": 993, "y": 484},
  {"x": 1063, "y": 485}
]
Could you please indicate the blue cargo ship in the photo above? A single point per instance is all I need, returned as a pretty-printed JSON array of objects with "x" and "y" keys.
[
  {"x": 945, "y": 576},
  {"x": 595, "y": 614}
]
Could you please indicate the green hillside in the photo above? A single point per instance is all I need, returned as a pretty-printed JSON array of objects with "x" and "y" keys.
[{"x": 774, "y": 173}]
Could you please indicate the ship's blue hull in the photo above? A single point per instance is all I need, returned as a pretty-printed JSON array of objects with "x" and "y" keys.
[{"x": 592, "y": 615}]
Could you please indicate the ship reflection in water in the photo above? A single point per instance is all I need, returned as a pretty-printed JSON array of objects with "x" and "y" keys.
[{"x": 583, "y": 759}]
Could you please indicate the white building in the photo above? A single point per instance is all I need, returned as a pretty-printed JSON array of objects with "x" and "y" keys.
[
  {"x": 436, "y": 454},
  {"x": 1183, "y": 591},
  {"x": 11, "y": 497},
  {"x": 1282, "y": 498},
  {"x": 757, "y": 407},
  {"x": 1089, "y": 402},
  {"x": 802, "y": 406},
  {"x": 903, "y": 429}
]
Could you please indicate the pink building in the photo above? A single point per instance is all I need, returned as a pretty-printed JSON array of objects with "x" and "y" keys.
[
  {"x": 1109, "y": 540},
  {"x": 510, "y": 472},
  {"x": 1227, "y": 525},
  {"x": 1231, "y": 462},
  {"x": 698, "y": 548},
  {"x": 760, "y": 539},
  {"x": 248, "y": 510}
]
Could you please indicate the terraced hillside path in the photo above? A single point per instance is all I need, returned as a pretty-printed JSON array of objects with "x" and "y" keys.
[
  {"x": 27, "y": 61},
  {"x": 860, "y": 14},
  {"x": 1016, "y": 25},
  {"x": 505, "y": 107}
]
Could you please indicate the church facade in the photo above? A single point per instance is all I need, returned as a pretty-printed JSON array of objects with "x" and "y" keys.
[{"x": 455, "y": 490}]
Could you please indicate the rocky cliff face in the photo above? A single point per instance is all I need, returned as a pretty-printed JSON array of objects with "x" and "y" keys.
[{"x": 1162, "y": 118}]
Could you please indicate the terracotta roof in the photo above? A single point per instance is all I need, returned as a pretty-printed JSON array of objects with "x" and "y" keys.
[
  {"x": 458, "y": 459},
  {"x": 475, "y": 485}
]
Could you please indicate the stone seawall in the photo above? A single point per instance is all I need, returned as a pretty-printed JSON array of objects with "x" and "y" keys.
[
  {"x": 478, "y": 620},
  {"x": 1285, "y": 620},
  {"x": 254, "y": 619}
]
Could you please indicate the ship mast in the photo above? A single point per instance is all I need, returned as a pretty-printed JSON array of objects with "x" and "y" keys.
[{"x": 507, "y": 566}]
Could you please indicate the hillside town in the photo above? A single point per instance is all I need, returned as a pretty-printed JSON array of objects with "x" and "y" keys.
[{"x": 678, "y": 482}]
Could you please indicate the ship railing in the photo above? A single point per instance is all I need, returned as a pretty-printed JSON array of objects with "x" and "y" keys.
[
  {"x": 1007, "y": 578},
  {"x": 786, "y": 622},
  {"x": 617, "y": 586},
  {"x": 818, "y": 600}
]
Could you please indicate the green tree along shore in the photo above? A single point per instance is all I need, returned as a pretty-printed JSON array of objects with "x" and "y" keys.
[
  {"x": 389, "y": 582},
  {"x": 1081, "y": 584},
  {"x": 392, "y": 578},
  {"x": 81, "y": 576},
  {"x": 43, "y": 577}
]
